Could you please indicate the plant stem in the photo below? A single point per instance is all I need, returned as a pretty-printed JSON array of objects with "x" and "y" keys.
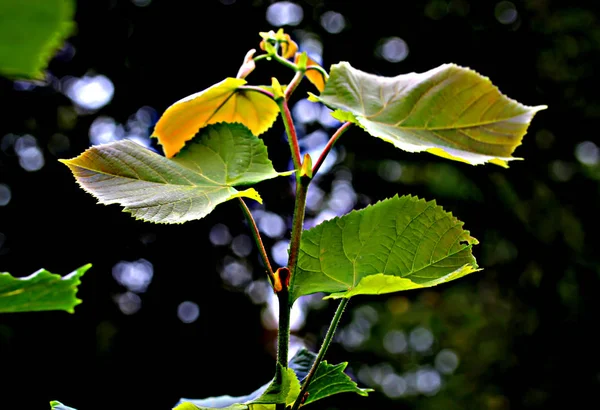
[
  {"x": 291, "y": 134},
  {"x": 326, "y": 342},
  {"x": 340, "y": 131},
  {"x": 257, "y": 89},
  {"x": 257, "y": 239},
  {"x": 293, "y": 84},
  {"x": 319, "y": 69}
]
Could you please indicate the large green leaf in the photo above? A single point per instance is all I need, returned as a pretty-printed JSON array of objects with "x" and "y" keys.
[
  {"x": 397, "y": 244},
  {"x": 222, "y": 102},
  {"x": 284, "y": 391},
  {"x": 331, "y": 379},
  {"x": 449, "y": 111},
  {"x": 41, "y": 290},
  {"x": 187, "y": 187},
  {"x": 30, "y": 32}
]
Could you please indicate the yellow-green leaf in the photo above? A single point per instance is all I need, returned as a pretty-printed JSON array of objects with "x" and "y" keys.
[
  {"x": 187, "y": 187},
  {"x": 39, "y": 291},
  {"x": 449, "y": 111},
  {"x": 30, "y": 33},
  {"x": 223, "y": 102},
  {"x": 397, "y": 244}
]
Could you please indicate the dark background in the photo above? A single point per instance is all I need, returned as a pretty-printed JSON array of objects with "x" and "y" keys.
[{"x": 522, "y": 329}]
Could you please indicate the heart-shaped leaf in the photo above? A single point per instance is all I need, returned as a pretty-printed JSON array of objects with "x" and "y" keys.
[
  {"x": 30, "y": 34},
  {"x": 187, "y": 187},
  {"x": 397, "y": 244},
  {"x": 449, "y": 111},
  {"x": 223, "y": 102},
  {"x": 41, "y": 290}
]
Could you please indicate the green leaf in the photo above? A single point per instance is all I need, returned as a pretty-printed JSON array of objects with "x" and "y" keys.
[
  {"x": 56, "y": 405},
  {"x": 449, "y": 111},
  {"x": 284, "y": 391},
  {"x": 30, "y": 33},
  {"x": 331, "y": 379},
  {"x": 397, "y": 244},
  {"x": 39, "y": 291},
  {"x": 161, "y": 190},
  {"x": 222, "y": 102}
]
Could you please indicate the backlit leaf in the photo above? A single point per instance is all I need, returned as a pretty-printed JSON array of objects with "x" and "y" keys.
[
  {"x": 397, "y": 244},
  {"x": 449, "y": 111},
  {"x": 56, "y": 405},
  {"x": 187, "y": 187},
  {"x": 39, "y": 291},
  {"x": 31, "y": 32},
  {"x": 223, "y": 102}
]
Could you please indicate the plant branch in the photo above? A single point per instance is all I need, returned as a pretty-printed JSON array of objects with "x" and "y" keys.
[
  {"x": 326, "y": 342},
  {"x": 319, "y": 69},
  {"x": 292, "y": 137},
  {"x": 257, "y": 239},
  {"x": 293, "y": 84},
  {"x": 257, "y": 89},
  {"x": 340, "y": 131}
]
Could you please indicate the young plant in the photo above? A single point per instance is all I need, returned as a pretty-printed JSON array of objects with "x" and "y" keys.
[{"x": 211, "y": 146}]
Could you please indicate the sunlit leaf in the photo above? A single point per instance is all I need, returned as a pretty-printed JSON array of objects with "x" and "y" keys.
[
  {"x": 331, "y": 379},
  {"x": 314, "y": 76},
  {"x": 223, "y": 102},
  {"x": 397, "y": 244},
  {"x": 41, "y": 290},
  {"x": 449, "y": 111},
  {"x": 187, "y": 187},
  {"x": 30, "y": 33},
  {"x": 56, "y": 405}
]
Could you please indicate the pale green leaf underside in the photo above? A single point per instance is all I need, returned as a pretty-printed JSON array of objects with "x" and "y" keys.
[
  {"x": 449, "y": 111},
  {"x": 56, "y": 405},
  {"x": 30, "y": 33},
  {"x": 39, "y": 291},
  {"x": 331, "y": 379},
  {"x": 397, "y": 244},
  {"x": 187, "y": 187}
]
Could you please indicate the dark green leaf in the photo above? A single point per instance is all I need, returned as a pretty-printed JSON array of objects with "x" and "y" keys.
[
  {"x": 30, "y": 33},
  {"x": 449, "y": 111},
  {"x": 40, "y": 291},
  {"x": 397, "y": 244},
  {"x": 187, "y": 187}
]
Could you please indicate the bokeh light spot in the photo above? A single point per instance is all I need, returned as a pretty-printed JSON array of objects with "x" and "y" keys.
[{"x": 188, "y": 312}]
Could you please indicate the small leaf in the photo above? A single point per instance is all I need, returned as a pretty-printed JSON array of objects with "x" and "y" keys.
[
  {"x": 397, "y": 244},
  {"x": 331, "y": 379},
  {"x": 449, "y": 111},
  {"x": 223, "y": 102},
  {"x": 316, "y": 77},
  {"x": 247, "y": 66},
  {"x": 30, "y": 34},
  {"x": 56, "y": 405},
  {"x": 39, "y": 291},
  {"x": 187, "y": 187}
]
